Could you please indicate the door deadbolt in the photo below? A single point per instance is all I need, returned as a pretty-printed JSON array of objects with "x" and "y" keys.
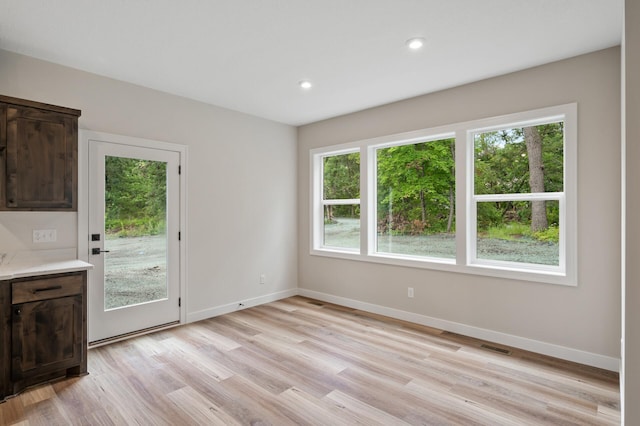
[{"x": 96, "y": 250}]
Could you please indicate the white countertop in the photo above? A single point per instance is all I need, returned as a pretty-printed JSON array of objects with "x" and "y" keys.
[{"x": 40, "y": 262}]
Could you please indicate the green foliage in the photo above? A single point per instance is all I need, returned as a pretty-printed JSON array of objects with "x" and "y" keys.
[
  {"x": 551, "y": 234},
  {"x": 349, "y": 211},
  {"x": 489, "y": 214},
  {"x": 510, "y": 231},
  {"x": 341, "y": 181},
  {"x": 342, "y": 176},
  {"x": 515, "y": 231},
  {"x": 135, "y": 196},
  {"x": 502, "y": 167},
  {"x": 416, "y": 188},
  {"x": 416, "y": 184},
  {"x": 135, "y": 227}
]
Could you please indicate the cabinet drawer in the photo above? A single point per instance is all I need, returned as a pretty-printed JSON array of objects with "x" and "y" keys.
[{"x": 46, "y": 288}]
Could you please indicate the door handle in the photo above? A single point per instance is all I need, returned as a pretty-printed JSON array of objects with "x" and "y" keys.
[
  {"x": 55, "y": 287},
  {"x": 96, "y": 250}
]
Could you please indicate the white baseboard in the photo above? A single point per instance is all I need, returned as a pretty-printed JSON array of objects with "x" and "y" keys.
[
  {"x": 569, "y": 354},
  {"x": 235, "y": 306}
]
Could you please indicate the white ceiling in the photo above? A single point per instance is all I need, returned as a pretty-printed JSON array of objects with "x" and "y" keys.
[{"x": 249, "y": 55}]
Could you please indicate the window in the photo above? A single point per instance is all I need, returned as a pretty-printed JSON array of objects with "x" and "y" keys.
[
  {"x": 493, "y": 197},
  {"x": 415, "y": 199},
  {"x": 518, "y": 191},
  {"x": 340, "y": 202}
]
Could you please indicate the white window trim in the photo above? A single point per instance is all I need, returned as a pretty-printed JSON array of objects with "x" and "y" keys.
[
  {"x": 566, "y": 272},
  {"x": 318, "y": 202},
  {"x": 473, "y": 232},
  {"x": 372, "y": 178},
  {"x": 465, "y": 261}
]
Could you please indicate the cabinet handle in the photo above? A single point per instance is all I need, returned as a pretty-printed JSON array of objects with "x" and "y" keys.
[
  {"x": 55, "y": 287},
  {"x": 18, "y": 312}
]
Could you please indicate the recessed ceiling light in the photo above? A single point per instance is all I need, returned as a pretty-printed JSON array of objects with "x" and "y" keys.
[
  {"x": 415, "y": 43},
  {"x": 305, "y": 84}
]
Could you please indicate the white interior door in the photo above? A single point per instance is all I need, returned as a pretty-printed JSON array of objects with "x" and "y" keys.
[{"x": 134, "y": 226}]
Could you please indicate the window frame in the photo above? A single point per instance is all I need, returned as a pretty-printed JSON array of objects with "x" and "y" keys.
[
  {"x": 373, "y": 207},
  {"x": 466, "y": 200},
  {"x": 319, "y": 203}
]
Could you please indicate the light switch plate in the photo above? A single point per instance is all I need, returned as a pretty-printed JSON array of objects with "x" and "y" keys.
[{"x": 44, "y": 235}]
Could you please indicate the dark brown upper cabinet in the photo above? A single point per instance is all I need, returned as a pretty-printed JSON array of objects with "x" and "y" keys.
[{"x": 38, "y": 156}]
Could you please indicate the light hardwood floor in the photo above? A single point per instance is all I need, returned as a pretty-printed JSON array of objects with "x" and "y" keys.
[{"x": 299, "y": 361}]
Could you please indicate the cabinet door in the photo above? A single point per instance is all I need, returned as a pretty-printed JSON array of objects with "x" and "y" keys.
[
  {"x": 5, "y": 339},
  {"x": 41, "y": 164},
  {"x": 47, "y": 336}
]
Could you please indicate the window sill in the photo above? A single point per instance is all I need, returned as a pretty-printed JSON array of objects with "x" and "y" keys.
[{"x": 449, "y": 265}]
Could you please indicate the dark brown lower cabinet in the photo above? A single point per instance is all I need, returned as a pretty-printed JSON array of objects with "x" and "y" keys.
[
  {"x": 47, "y": 327},
  {"x": 6, "y": 386}
]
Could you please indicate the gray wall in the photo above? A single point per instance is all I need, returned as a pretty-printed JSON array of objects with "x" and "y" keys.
[
  {"x": 583, "y": 319},
  {"x": 241, "y": 179},
  {"x": 631, "y": 137}
]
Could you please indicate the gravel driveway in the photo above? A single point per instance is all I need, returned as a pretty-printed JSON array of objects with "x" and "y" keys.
[
  {"x": 345, "y": 232},
  {"x": 135, "y": 270}
]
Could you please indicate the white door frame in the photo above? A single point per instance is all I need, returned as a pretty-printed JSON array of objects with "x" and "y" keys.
[{"x": 84, "y": 136}]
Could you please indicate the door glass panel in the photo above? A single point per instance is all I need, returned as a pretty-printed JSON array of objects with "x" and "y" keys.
[{"x": 135, "y": 261}]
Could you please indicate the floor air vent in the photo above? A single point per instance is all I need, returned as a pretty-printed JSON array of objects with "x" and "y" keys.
[{"x": 496, "y": 349}]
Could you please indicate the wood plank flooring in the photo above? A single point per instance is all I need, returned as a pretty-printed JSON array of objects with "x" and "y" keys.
[{"x": 299, "y": 361}]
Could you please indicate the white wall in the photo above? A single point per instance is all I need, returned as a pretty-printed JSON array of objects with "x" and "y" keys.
[
  {"x": 580, "y": 323},
  {"x": 241, "y": 189},
  {"x": 16, "y": 230},
  {"x": 631, "y": 139}
]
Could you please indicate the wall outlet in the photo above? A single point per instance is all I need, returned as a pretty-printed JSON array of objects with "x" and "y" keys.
[
  {"x": 263, "y": 278},
  {"x": 44, "y": 235},
  {"x": 410, "y": 292}
]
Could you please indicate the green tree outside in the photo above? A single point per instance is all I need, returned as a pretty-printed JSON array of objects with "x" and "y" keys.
[
  {"x": 502, "y": 166},
  {"x": 135, "y": 197},
  {"x": 341, "y": 181},
  {"x": 416, "y": 188},
  {"x": 416, "y": 184}
]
